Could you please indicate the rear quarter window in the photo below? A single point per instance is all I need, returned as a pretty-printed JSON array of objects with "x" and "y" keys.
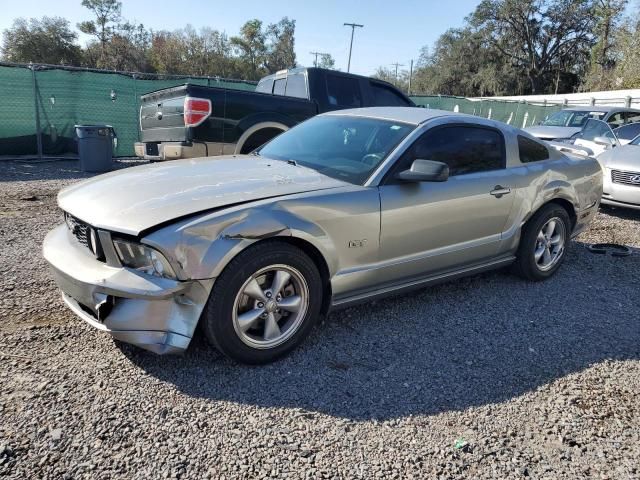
[
  {"x": 279, "y": 85},
  {"x": 265, "y": 85},
  {"x": 531, "y": 151},
  {"x": 296, "y": 86}
]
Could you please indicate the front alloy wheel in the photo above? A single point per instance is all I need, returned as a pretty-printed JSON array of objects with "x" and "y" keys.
[
  {"x": 264, "y": 303},
  {"x": 270, "y": 306}
]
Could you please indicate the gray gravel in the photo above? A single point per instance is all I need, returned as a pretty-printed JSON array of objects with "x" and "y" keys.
[{"x": 486, "y": 377}]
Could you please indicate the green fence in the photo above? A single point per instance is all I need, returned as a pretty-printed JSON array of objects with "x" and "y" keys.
[
  {"x": 51, "y": 100},
  {"x": 57, "y": 98},
  {"x": 518, "y": 114}
]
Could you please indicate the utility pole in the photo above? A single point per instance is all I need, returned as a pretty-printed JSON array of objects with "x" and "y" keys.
[
  {"x": 410, "y": 77},
  {"x": 397, "y": 65},
  {"x": 353, "y": 28},
  {"x": 315, "y": 62}
]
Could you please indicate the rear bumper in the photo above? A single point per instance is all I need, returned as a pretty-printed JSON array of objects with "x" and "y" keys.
[
  {"x": 175, "y": 150},
  {"x": 156, "y": 314}
]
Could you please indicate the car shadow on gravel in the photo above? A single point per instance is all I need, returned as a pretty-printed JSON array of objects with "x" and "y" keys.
[
  {"x": 621, "y": 213},
  {"x": 476, "y": 341}
]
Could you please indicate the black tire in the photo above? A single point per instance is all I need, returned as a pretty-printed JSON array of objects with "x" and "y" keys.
[
  {"x": 217, "y": 320},
  {"x": 526, "y": 265}
]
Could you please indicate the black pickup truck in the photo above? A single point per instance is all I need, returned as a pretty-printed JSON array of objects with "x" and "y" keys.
[{"x": 198, "y": 121}]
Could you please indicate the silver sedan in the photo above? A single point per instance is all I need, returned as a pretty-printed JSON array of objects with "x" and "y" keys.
[{"x": 345, "y": 207}]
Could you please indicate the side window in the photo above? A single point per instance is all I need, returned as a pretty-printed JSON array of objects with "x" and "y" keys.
[
  {"x": 278, "y": 86},
  {"x": 343, "y": 92},
  {"x": 628, "y": 132},
  {"x": 265, "y": 85},
  {"x": 531, "y": 151},
  {"x": 616, "y": 120},
  {"x": 631, "y": 117},
  {"x": 296, "y": 86},
  {"x": 465, "y": 149},
  {"x": 383, "y": 96}
]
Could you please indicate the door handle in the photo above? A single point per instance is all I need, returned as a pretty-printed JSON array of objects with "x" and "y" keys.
[{"x": 498, "y": 191}]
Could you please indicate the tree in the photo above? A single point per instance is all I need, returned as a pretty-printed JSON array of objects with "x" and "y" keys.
[
  {"x": 537, "y": 36},
  {"x": 608, "y": 14},
  {"x": 108, "y": 14},
  {"x": 251, "y": 49},
  {"x": 49, "y": 40},
  {"x": 325, "y": 60},
  {"x": 280, "y": 51}
]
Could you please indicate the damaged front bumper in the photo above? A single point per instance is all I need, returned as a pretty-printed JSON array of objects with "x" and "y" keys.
[{"x": 157, "y": 314}]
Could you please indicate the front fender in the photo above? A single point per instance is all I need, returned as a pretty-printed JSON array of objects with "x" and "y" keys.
[{"x": 203, "y": 247}]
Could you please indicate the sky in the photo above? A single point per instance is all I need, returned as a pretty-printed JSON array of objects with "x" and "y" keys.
[{"x": 394, "y": 30}]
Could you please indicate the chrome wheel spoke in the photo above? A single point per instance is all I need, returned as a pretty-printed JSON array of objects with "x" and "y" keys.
[
  {"x": 271, "y": 328},
  {"x": 556, "y": 239},
  {"x": 254, "y": 291},
  {"x": 290, "y": 304},
  {"x": 551, "y": 226},
  {"x": 546, "y": 256},
  {"x": 280, "y": 279},
  {"x": 538, "y": 253},
  {"x": 248, "y": 319}
]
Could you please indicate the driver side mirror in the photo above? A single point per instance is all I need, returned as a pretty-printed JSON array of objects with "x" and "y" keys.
[
  {"x": 605, "y": 141},
  {"x": 425, "y": 171}
]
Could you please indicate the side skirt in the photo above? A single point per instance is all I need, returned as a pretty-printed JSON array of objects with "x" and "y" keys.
[{"x": 417, "y": 283}]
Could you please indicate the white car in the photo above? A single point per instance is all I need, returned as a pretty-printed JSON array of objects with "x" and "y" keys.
[
  {"x": 566, "y": 124},
  {"x": 597, "y": 136},
  {"x": 619, "y": 158}
]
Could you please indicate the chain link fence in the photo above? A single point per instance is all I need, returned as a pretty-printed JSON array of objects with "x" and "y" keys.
[
  {"x": 41, "y": 104},
  {"x": 517, "y": 113}
]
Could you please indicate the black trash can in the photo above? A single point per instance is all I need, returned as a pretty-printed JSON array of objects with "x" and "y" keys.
[{"x": 95, "y": 147}]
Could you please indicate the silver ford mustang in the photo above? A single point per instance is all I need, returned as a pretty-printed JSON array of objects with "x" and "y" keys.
[{"x": 345, "y": 207}]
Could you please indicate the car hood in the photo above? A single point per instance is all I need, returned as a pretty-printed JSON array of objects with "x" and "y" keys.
[
  {"x": 134, "y": 199},
  {"x": 550, "y": 133},
  {"x": 626, "y": 157}
]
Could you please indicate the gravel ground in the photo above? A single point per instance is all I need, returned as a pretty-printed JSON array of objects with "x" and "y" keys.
[{"x": 486, "y": 377}]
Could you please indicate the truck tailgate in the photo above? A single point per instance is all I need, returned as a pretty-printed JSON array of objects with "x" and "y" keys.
[{"x": 162, "y": 115}]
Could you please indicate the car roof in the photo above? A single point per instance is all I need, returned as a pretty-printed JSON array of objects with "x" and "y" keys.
[
  {"x": 601, "y": 108},
  {"x": 411, "y": 115}
]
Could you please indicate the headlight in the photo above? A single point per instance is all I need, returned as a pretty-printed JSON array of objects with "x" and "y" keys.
[{"x": 144, "y": 259}]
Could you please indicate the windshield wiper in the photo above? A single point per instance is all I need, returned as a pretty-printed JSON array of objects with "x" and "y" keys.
[
  {"x": 255, "y": 153},
  {"x": 292, "y": 162}
]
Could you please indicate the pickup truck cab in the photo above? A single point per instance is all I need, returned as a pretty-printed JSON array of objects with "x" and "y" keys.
[{"x": 191, "y": 121}]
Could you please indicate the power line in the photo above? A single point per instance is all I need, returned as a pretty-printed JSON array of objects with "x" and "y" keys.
[
  {"x": 315, "y": 62},
  {"x": 353, "y": 28}
]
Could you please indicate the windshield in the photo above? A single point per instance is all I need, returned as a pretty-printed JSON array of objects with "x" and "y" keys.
[
  {"x": 571, "y": 118},
  {"x": 342, "y": 147},
  {"x": 635, "y": 141}
]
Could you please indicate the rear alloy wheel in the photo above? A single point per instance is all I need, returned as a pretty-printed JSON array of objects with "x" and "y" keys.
[
  {"x": 543, "y": 243},
  {"x": 264, "y": 303}
]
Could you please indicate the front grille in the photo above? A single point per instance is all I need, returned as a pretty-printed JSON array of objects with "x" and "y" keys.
[
  {"x": 83, "y": 233},
  {"x": 626, "y": 178},
  {"x": 79, "y": 229}
]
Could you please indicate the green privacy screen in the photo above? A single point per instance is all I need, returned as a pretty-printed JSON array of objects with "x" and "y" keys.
[
  {"x": 68, "y": 97},
  {"x": 518, "y": 114}
]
